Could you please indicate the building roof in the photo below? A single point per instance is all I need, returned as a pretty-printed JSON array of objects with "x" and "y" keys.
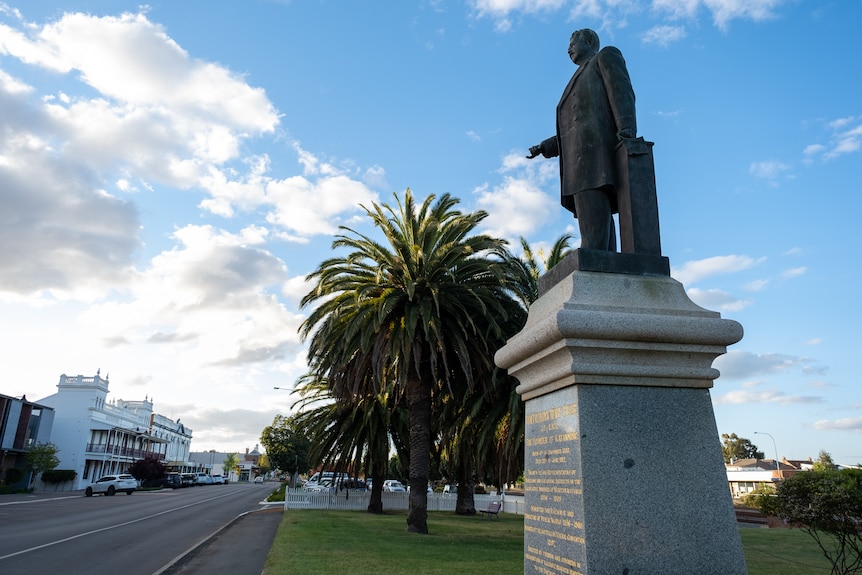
[{"x": 759, "y": 465}]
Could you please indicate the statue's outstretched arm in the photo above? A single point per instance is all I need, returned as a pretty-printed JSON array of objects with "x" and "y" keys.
[{"x": 548, "y": 148}]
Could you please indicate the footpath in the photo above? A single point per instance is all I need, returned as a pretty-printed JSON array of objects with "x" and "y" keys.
[{"x": 239, "y": 547}]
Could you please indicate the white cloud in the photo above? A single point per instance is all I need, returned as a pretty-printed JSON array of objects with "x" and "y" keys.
[
  {"x": 768, "y": 170},
  {"x": 501, "y": 8},
  {"x": 695, "y": 271},
  {"x": 677, "y": 9},
  {"x": 813, "y": 149},
  {"x": 841, "y": 122},
  {"x": 846, "y": 142},
  {"x": 756, "y": 285},
  {"x": 296, "y": 288},
  {"x": 212, "y": 298},
  {"x": 309, "y": 207},
  {"x": 157, "y": 115},
  {"x": 845, "y": 137},
  {"x": 663, "y": 35},
  {"x": 518, "y": 206},
  {"x": 794, "y": 272},
  {"x": 615, "y": 12},
  {"x": 133, "y": 61},
  {"x": 723, "y": 11},
  {"x": 61, "y": 243},
  {"x": 737, "y": 364},
  {"x": 844, "y": 424},
  {"x": 714, "y": 299},
  {"x": 746, "y": 396}
]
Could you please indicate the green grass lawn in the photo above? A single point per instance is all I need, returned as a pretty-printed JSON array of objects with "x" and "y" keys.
[
  {"x": 782, "y": 551},
  {"x": 355, "y": 543}
]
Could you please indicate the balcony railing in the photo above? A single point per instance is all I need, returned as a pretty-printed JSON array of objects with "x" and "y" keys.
[{"x": 119, "y": 451}]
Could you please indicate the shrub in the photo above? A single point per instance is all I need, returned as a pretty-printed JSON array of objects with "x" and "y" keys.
[
  {"x": 58, "y": 476},
  {"x": 149, "y": 470},
  {"x": 827, "y": 505},
  {"x": 14, "y": 475},
  {"x": 753, "y": 499},
  {"x": 278, "y": 494}
]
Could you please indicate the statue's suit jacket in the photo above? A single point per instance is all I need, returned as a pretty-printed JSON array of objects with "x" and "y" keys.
[{"x": 596, "y": 104}]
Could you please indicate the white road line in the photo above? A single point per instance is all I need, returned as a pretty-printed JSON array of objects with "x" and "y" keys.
[
  {"x": 39, "y": 500},
  {"x": 79, "y": 535}
]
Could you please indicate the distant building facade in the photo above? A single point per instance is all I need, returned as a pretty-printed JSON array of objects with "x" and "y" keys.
[
  {"x": 247, "y": 467},
  {"x": 98, "y": 437},
  {"x": 23, "y": 425},
  {"x": 746, "y": 475}
]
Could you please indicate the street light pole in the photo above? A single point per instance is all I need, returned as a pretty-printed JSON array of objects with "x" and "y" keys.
[{"x": 773, "y": 445}]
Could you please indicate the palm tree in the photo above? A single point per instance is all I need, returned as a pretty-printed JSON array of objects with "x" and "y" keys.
[
  {"x": 418, "y": 308},
  {"x": 493, "y": 420},
  {"x": 524, "y": 270},
  {"x": 352, "y": 432}
]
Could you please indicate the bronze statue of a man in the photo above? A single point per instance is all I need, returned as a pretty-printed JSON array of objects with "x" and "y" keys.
[{"x": 596, "y": 111}]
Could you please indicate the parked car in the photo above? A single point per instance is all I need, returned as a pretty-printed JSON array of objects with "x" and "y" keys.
[
  {"x": 218, "y": 480},
  {"x": 172, "y": 480},
  {"x": 325, "y": 481},
  {"x": 110, "y": 484},
  {"x": 188, "y": 479},
  {"x": 393, "y": 486},
  {"x": 203, "y": 479}
]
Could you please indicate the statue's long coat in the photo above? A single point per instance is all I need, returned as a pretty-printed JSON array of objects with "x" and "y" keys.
[{"x": 597, "y": 103}]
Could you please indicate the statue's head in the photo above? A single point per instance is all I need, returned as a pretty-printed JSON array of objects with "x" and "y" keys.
[{"x": 582, "y": 45}]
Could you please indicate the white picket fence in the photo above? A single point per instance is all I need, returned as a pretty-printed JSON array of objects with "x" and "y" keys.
[{"x": 358, "y": 501}]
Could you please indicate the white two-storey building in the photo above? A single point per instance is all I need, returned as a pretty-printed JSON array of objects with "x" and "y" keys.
[{"x": 97, "y": 437}]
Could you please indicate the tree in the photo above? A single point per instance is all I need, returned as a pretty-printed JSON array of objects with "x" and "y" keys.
[
  {"x": 286, "y": 444},
  {"x": 354, "y": 431},
  {"x": 734, "y": 447},
  {"x": 148, "y": 470},
  {"x": 42, "y": 457},
  {"x": 229, "y": 464},
  {"x": 824, "y": 462},
  {"x": 417, "y": 308},
  {"x": 264, "y": 464},
  {"x": 827, "y": 505},
  {"x": 523, "y": 271},
  {"x": 491, "y": 419}
]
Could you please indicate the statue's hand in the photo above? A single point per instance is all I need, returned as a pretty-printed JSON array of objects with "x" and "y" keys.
[
  {"x": 534, "y": 151},
  {"x": 626, "y": 134}
]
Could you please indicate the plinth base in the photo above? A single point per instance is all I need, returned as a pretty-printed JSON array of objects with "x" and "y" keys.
[
  {"x": 627, "y": 480},
  {"x": 624, "y": 471}
]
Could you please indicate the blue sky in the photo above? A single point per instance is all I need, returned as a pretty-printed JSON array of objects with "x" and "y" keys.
[{"x": 169, "y": 174}]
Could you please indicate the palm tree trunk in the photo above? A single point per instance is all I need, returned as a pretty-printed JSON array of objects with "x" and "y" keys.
[
  {"x": 419, "y": 407},
  {"x": 466, "y": 503},
  {"x": 378, "y": 476}
]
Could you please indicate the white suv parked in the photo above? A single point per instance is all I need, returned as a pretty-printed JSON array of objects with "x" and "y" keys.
[{"x": 110, "y": 484}]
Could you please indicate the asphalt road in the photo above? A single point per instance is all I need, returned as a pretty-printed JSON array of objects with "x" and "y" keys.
[{"x": 136, "y": 534}]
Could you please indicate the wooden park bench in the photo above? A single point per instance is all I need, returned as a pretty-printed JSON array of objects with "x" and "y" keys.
[{"x": 493, "y": 509}]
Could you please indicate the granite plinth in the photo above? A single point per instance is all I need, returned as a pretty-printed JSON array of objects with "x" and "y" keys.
[
  {"x": 624, "y": 472},
  {"x": 616, "y": 329}
]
